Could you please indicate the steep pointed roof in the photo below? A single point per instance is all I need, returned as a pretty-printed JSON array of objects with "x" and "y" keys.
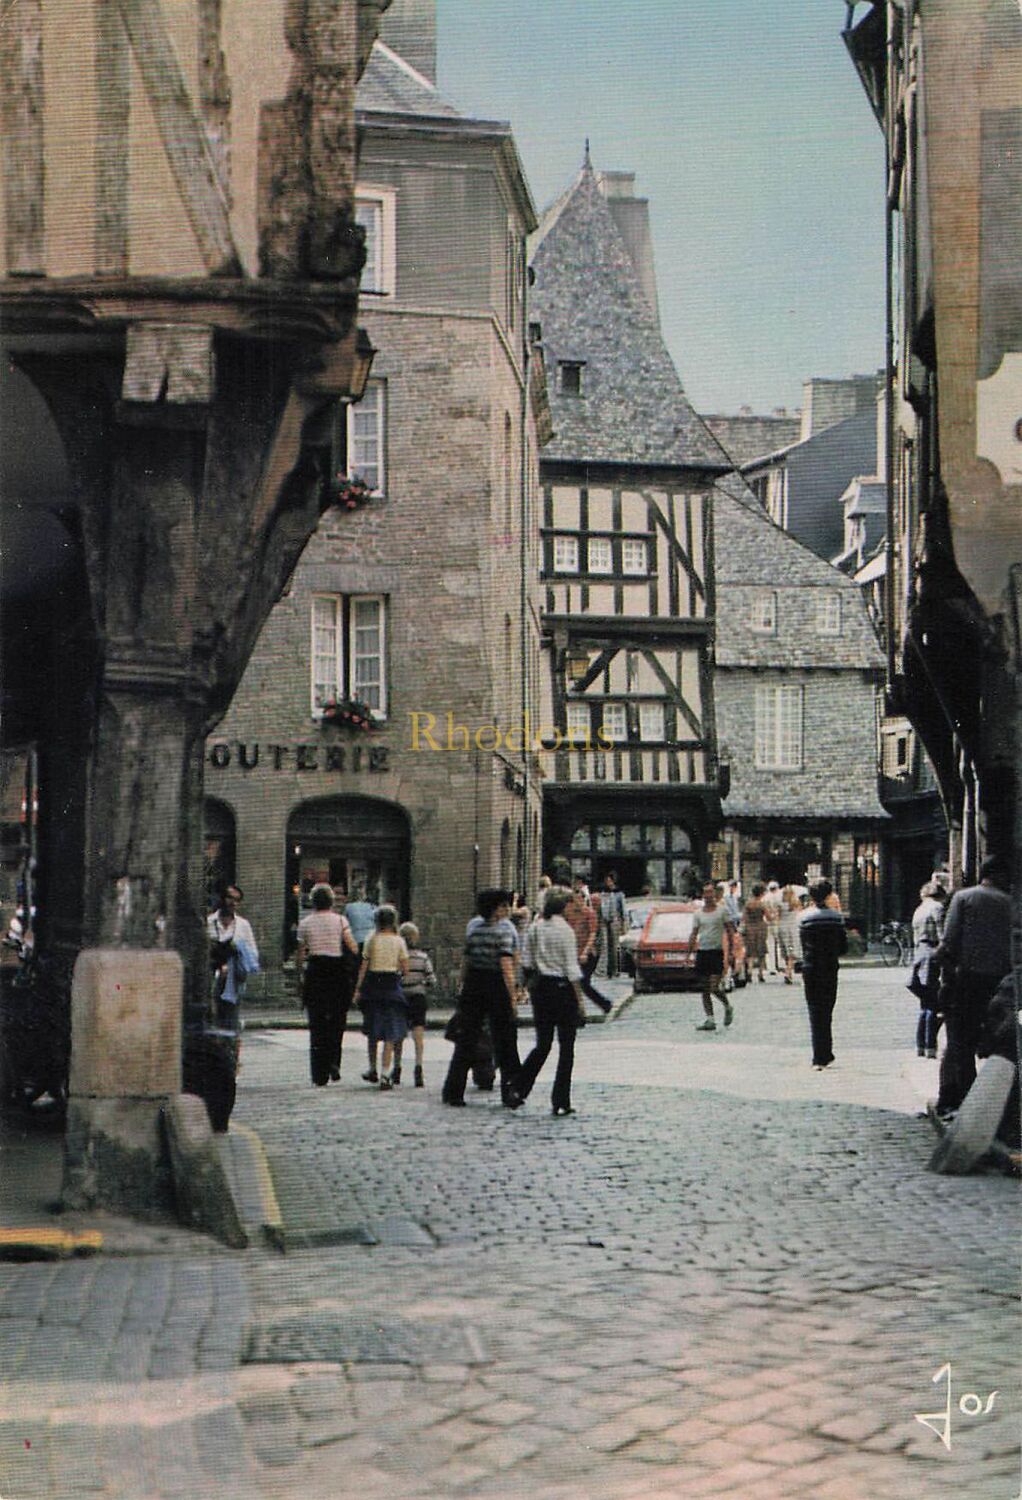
[
  {"x": 390, "y": 85},
  {"x": 589, "y": 302}
]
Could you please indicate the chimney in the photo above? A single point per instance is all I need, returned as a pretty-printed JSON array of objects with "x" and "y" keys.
[
  {"x": 631, "y": 215},
  {"x": 409, "y": 29}
]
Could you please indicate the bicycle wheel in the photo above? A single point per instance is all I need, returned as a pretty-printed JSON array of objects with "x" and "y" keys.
[{"x": 890, "y": 950}]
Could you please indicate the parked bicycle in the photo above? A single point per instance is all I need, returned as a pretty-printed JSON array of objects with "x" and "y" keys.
[{"x": 896, "y": 944}]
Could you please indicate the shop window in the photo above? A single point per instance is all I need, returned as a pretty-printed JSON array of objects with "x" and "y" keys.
[
  {"x": 779, "y": 728},
  {"x": 763, "y": 612},
  {"x": 565, "y": 554},
  {"x": 374, "y": 211},
  {"x": 348, "y": 655},
  {"x": 367, "y": 424},
  {"x": 600, "y": 555},
  {"x": 634, "y": 557}
]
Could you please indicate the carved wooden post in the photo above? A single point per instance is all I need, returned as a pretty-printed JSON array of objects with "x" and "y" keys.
[{"x": 184, "y": 395}]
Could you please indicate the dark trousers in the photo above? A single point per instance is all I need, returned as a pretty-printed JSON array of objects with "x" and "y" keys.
[
  {"x": 963, "y": 1020},
  {"x": 556, "y": 1011},
  {"x": 608, "y": 931},
  {"x": 926, "y": 1029},
  {"x": 326, "y": 995},
  {"x": 484, "y": 998},
  {"x": 587, "y": 986},
  {"x": 821, "y": 996}
]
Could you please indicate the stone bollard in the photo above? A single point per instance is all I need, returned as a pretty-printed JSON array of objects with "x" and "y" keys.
[
  {"x": 125, "y": 1065},
  {"x": 972, "y": 1134}
]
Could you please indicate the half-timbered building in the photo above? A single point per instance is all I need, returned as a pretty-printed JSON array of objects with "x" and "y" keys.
[{"x": 625, "y": 553}]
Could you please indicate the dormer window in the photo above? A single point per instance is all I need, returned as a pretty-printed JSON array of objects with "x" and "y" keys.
[
  {"x": 763, "y": 612},
  {"x": 828, "y": 614},
  {"x": 569, "y": 376}
]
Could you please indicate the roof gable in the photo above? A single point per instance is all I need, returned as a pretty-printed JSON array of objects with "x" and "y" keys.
[
  {"x": 589, "y": 302},
  {"x": 751, "y": 554},
  {"x": 390, "y": 85}
]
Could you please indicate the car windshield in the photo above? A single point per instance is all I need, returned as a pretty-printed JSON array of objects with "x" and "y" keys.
[
  {"x": 670, "y": 927},
  {"x": 637, "y": 915}
]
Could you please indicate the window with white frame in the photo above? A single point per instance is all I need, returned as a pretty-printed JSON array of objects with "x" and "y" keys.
[
  {"x": 634, "y": 557},
  {"x": 374, "y": 211},
  {"x": 367, "y": 431},
  {"x": 348, "y": 656},
  {"x": 615, "y": 722},
  {"x": 600, "y": 555},
  {"x": 896, "y": 754},
  {"x": 651, "y": 722},
  {"x": 565, "y": 554},
  {"x": 763, "y": 611},
  {"x": 828, "y": 614},
  {"x": 578, "y": 723},
  {"x": 778, "y": 728}
]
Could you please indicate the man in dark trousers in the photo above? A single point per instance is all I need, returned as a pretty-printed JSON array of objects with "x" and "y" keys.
[
  {"x": 974, "y": 956},
  {"x": 824, "y": 940}
]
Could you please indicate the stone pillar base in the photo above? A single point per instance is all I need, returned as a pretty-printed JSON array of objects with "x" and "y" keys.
[
  {"x": 116, "y": 1158},
  {"x": 125, "y": 1065}
]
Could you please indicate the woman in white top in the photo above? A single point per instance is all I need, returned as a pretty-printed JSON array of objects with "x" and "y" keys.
[
  {"x": 323, "y": 937},
  {"x": 551, "y": 952}
]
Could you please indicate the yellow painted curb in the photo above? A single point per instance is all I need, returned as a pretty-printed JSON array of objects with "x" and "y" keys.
[
  {"x": 50, "y": 1244},
  {"x": 271, "y": 1218}
]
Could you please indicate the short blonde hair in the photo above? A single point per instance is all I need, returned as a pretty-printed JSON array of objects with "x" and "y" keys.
[
  {"x": 386, "y": 918},
  {"x": 409, "y": 932}
]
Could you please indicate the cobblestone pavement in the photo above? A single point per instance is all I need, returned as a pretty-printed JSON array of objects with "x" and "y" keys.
[{"x": 726, "y": 1275}]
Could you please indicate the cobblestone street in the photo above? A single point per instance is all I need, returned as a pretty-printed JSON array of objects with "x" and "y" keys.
[{"x": 726, "y": 1275}]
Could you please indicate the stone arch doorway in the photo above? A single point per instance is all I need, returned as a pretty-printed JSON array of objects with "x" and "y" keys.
[
  {"x": 219, "y": 848},
  {"x": 349, "y": 841}
]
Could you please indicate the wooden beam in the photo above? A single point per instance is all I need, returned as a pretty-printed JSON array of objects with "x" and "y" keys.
[
  {"x": 183, "y": 135},
  {"x": 21, "y": 121},
  {"x": 113, "y": 91}
]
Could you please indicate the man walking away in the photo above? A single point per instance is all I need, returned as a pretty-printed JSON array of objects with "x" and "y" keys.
[
  {"x": 612, "y": 920},
  {"x": 824, "y": 940},
  {"x": 581, "y": 918},
  {"x": 487, "y": 994},
  {"x": 361, "y": 915},
  {"x": 974, "y": 955}
]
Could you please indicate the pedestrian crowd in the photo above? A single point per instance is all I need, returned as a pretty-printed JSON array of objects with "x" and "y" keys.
[{"x": 355, "y": 953}]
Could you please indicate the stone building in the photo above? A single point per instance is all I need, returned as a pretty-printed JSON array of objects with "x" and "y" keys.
[
  {"x": 419, "y": 604},
  {"x": 942, "y": 77},
  {"x": 625, "y": 557},
  {"x": 796, "y": 677}
]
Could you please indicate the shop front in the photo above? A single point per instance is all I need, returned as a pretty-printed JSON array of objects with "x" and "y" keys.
[{"x": 362, "y": 844}]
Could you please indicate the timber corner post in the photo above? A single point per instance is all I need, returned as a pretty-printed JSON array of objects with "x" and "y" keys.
[{"x": 183, "y": 392}]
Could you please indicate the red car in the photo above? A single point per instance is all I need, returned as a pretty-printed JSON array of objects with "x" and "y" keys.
[{"x": 664, "y": 956}]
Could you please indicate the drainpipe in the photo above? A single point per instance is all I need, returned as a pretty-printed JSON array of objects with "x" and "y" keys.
[
  {"x": 890, "y": 547},
  {"x": 525, "y": 537}
]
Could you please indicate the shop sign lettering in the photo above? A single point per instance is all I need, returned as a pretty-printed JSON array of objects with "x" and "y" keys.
[{"x": 246, "y": 755}]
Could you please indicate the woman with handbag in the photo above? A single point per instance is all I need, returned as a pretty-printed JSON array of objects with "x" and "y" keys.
[{"x": 551, "y": 953}]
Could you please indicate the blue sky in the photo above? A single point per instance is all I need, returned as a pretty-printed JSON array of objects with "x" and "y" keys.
[{"x": 749, "y": 133}]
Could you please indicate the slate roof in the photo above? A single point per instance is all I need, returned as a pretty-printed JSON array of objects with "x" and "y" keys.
[
  {"x": 589, "y": 303},
  {"x": 392, "y": 86},
  {"x": 752, "y": 553}
]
